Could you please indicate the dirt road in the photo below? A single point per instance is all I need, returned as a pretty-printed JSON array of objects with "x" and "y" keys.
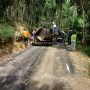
[{"x": 44, "y": 68}]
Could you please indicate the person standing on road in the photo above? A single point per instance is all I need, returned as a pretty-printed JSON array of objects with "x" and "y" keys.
[
  {"x": 64, "y": 36},
  {"x": 73, "y": 41},
  {"x": 33, "y": 35},
  {"x": 26, "y": 36},
  {"x": 69, "y": 34}
]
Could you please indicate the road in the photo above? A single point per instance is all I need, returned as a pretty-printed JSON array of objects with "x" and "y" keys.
[{"x": 42, "y": 68}]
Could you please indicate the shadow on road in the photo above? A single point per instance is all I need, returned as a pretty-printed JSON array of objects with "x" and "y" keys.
[
  {"x": 60, "y": 45},
  {"x": 55, "y": 86}
]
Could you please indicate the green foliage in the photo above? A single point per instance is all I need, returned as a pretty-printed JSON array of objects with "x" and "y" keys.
[
  {"x": 50, "y": 9},
  {"x": 3, "y": 5},
  {"x": 80, "y": 23},
  {"x": 67, "y": 15},
  {"x": 87, "y": 39},
  {"x": 6, "y": 32},
  {"x": 86, "y": 50},
  {"x": 59, "y": 2}
]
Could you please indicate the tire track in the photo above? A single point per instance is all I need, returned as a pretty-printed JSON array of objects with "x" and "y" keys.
[{"x": 18, "y": 76}]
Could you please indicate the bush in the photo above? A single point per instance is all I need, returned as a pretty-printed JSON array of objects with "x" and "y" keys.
[
  {"x": 6, "y": 32},
  {"x": 86, "y": 50},
  {"x": 87, "y": 39}
]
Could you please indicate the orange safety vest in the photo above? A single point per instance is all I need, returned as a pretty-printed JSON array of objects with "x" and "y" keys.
[{"x": 25, "y": 34}]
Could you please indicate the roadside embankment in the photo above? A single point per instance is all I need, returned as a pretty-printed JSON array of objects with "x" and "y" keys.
[{"x": 10, "y": 38}]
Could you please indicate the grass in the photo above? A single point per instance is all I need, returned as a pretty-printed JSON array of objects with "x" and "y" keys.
[{"x": 86, "y": 50}]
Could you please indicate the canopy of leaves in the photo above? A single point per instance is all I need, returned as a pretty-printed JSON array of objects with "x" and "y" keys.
[{"x": 32, "y": 12}]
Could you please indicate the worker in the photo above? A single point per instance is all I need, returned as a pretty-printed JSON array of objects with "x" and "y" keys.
[
  {"x": 73, "y": 41},
  {"x": 54, "y": 32},
  {"x": 26, "y": 37},
  {"x": 33, "y": 35}
]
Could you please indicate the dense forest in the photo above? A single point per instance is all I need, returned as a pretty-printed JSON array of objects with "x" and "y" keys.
[{"x": 72, "y": 14}]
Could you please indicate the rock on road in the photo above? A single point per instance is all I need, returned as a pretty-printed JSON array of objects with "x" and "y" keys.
[{"x": 42, "y": 68}]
